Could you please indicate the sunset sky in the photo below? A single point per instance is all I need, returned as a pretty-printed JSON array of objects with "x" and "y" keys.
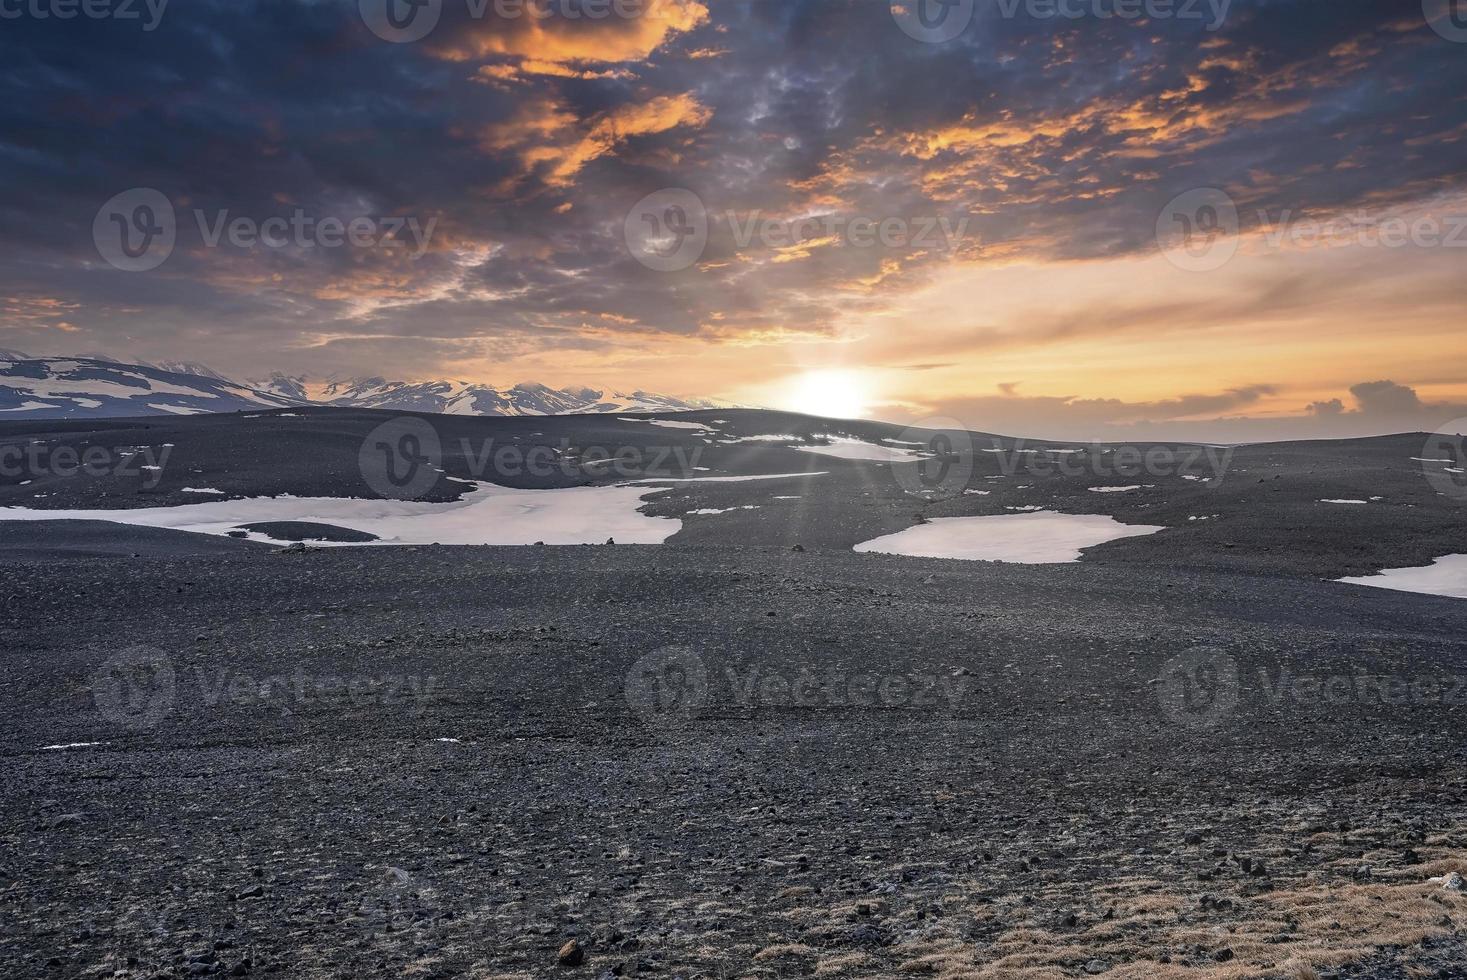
[{"x": 1032, "y": 157}]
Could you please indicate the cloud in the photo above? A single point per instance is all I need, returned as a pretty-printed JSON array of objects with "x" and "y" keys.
[
  {"x": 553, "y": 144},
  {"x": 1327, "y": 409},
  {"x": 1380, "y": 408},
  {"x": 552, "y": 37},
  {"x": 531, "y": 139},
  {"x": 1386, "y": 398}
]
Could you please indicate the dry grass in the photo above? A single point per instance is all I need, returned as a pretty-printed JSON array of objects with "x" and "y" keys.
[
  {"x": 1153, "y": 934},
  {"x": 782, "y": 951},
  {"x": 849, "y": 964}
]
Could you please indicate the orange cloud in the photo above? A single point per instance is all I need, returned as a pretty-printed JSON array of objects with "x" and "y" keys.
[
  {"x": 566, "y": 41},
  {"x": 526, "y": 70},
  {"x": 990, "y": 162},
  {"x": 548, "y": 137},
  {"x": 27, "y": 310}
]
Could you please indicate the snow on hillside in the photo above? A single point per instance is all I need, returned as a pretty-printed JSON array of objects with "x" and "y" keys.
[
  {"x": 86, "y": 387},
  {"x": 97, "y": 386}
]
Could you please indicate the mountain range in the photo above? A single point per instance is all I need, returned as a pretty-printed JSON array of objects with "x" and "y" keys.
[{"x": 98, "y": 386}]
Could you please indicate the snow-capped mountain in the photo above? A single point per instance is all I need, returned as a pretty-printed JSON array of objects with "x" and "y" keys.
[
  {"x": 460, "y": 398},
  {"x": 184, "y": 367},
  {"x": 100, "y": 387},
  {"x": 88, "y": 387},
  {"x": 285, "y": 386}
]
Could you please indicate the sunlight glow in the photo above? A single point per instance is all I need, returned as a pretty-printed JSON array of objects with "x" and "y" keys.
[{"x": 832, "y": 394}]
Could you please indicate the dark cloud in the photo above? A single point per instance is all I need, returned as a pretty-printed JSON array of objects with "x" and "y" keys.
[
  {"x": 1386, "y": 398},
  {"x": 528, "y": 145}
]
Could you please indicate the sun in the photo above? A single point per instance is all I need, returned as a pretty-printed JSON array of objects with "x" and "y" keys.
[{"x": 834, "y": 394}]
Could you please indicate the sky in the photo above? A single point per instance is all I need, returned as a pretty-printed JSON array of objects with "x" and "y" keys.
[{"x": 1057, "y": 218}]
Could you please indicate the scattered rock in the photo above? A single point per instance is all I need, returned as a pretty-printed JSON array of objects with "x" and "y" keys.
[
  {"x": 571, "y": 954},
  {"x": 866, "y": 934}
]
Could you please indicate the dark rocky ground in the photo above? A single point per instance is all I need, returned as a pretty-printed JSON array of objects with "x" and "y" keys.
[
  {"x": 723, "y": 758},
  {"x": 1261, "y": 503}
]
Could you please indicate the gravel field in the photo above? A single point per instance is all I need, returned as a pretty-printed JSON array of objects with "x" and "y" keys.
[{"x": 1187, "y": 755}]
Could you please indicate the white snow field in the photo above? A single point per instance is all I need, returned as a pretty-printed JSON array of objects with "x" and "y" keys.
[
  {"x": 1044, "y": 538},
  {"x": 1445, "y": 576},
  {"x": 491, "y": 515}
]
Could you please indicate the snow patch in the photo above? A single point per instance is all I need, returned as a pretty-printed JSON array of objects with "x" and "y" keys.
[
  {"x": 1043, "y": 538},
  {"x": 1445, "y": 576},
  {"x": 726, "y": 479},
  {"x": 493, "y": 515},
  {"x": 860, "y": 450},
  {"x": 181, "y": 410},
  {"x": 693, "y": 426}
]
